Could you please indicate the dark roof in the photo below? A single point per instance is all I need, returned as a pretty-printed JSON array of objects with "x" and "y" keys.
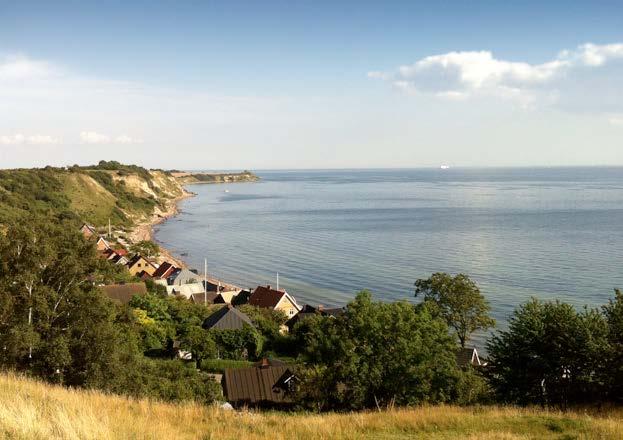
[
  {"x": 123, "y": 293},
  {"x": 256, "y": 385},
  {"x": 467, "y": 356},
  {"x": 227, "y": 318},
  {"x": 308, "y": 311},
  {"x": 164, "y": 270},
  {"x": 199, "y": 298},
  {"x": 264, "y": 296}
]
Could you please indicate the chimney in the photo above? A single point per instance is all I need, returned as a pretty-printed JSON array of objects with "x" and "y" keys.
[
  {"x": 264, "y": 363},
  {"x": 268, "y": 286}
]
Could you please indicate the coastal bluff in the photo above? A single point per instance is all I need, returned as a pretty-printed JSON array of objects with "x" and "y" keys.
[{"x": 187, "y": 178}]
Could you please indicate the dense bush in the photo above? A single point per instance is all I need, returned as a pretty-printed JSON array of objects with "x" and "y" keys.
[{"x": 378, "y": 354}]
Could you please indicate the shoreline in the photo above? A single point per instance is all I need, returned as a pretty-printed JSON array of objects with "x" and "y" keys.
[{"x": 145, "y": 231}]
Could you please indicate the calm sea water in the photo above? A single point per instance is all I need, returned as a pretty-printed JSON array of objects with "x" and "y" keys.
[{"x": 546, "y": 232}]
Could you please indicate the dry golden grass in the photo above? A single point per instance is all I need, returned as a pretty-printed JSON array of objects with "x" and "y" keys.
[{"x": 33, "y": 410}]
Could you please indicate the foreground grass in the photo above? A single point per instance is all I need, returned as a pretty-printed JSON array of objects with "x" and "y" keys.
[{"x": 32, "y": 410}]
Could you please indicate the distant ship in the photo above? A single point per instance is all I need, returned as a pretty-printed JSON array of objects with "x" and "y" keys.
[{"x": 445, "y": 167}]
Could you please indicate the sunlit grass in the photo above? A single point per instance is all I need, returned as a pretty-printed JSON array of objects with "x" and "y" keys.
[{"x": 33, "y": 410}]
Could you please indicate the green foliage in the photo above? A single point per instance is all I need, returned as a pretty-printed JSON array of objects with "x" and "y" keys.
[
  {"x": 378, "y": 354},
  {"x": 200, "y": 343},
  {"x": 459, "y": 302},
  {"x": 55, "y": 323},
  {"x": 146, "y": 248},
  {"x": 240, "y": 344},
  {"x": 219, "y": 365},
  {"x": 613, "y": 371},
  {"x": 549, "y": 354},
  {"x": 170, "y": 380}
]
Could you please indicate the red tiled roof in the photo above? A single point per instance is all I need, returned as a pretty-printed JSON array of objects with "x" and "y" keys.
[
  {"x": 164, "y": 270},
  {"x": 264, "y": 296}
]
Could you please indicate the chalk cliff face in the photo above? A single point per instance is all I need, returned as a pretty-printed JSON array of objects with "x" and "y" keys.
[{"x": 191, "y": 178}]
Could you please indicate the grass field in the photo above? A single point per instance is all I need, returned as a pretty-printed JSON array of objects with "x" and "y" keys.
[{"x": 33, "y": 410}]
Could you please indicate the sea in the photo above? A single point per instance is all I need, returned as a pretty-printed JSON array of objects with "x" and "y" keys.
[{"x": 324, "y": 235}]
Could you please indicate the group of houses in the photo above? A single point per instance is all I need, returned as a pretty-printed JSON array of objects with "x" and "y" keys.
[{"x": 267, "y": 382}]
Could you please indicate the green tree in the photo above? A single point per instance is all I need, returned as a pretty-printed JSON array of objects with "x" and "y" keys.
[
  {"x": 613, "y": 369},
  {"x": 459, "y": 302},
  {"x": 200, "y": 344},
  {"x": 146, "y": 248},
  {"x": 377, "y": 354},
  {"x": 54, "y": 322},
  {"x": 550, "y": 354}
]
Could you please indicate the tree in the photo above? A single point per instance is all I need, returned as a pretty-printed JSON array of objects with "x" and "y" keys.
[
  {"x": 54, "y": 322},
  {"x": 613, "y": 368},
  {"x": 550, "y": 354},
  {"x": 378, "y": 354},
  {"x": 146, "y": 248},
  {"x": 200, "y": 344},
  {"x": 459, "y": 302}
]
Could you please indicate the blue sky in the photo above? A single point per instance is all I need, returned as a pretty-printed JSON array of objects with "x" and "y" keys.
[{"x": 311, "y": 84}]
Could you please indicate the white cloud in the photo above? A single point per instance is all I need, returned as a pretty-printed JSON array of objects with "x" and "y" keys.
[
  {"x": 19, "y": 139},
  {"x": 92, "y": 137},
  {"x": 19, "y": 67},
  {"x": 616, "y": 120},
  {"x": 125, "y": 139},
  {"x": 460, "y": 75}
]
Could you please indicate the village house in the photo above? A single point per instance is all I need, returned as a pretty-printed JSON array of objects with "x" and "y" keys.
[
  {"x": 123, "y": 293},
  {"x": 101, "y": 244},
  {"x": 468, "y": 356},
  {"x": 164, "y": 271},
  {"x": 185, "y": 290},
  {"x": 206, "y": 298},
  {"x": 268, "y": 298},
  {"x": 227, "y": 318},
  {"x": 183, "y": 276},
  {"x": 265, "y": 385},
  {"x": 308, "y": 311},
  {"x": 88, "y": 231},
  {"x": 138, "y": 264}
]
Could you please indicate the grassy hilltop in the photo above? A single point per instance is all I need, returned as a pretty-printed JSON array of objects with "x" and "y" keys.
[
  {"x": 124, "y": 194},
  {"x": 34, "y": 410}
]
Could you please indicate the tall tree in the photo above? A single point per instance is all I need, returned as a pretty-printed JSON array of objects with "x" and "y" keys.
[
  {"x": 459, "y": 301},
  {"x": 376, "y": 354},
  {"x": 550, "y": 354}
]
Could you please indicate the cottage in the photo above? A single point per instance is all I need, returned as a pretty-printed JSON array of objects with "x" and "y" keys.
[
  {"x": 308, "y": 311},
  {"x": 185, "y": 290},
  {"x": 265, "y": 297},
  {"x": 263, "y": 385},
  {"x": 183, "y": 276},
  {"x": 204, "y": 298},
  {"x": 123, "y": 293},
  {"x": 102, "y": 245},
  {"x": 164, "y": 271},
  {"x": 139, "y": 264},
  {"x": 227, "y": 318},
  {"x": 467, "y": 356},
  {"x": 88, "y": 231}
]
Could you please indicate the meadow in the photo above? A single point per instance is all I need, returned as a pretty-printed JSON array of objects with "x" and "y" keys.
[{"x": 30, "y": 409}]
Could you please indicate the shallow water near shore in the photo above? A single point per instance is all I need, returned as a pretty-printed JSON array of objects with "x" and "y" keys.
[{"x": 544, "y": 232}]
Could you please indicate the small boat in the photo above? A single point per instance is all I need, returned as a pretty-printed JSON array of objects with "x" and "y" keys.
[
  {"x": 445, "y": 167},
  {"x": 226, "y": 190}
]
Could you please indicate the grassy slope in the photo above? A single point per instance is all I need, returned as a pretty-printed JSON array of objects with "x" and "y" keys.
[
  {"x": 94, "y": 195},
  {"x": 33, "y": 410}
]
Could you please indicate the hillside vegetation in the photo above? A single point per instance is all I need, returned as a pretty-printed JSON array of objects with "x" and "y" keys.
[
  {"x": 125, "y": 194},
  {"x": 34, "y": 410}
]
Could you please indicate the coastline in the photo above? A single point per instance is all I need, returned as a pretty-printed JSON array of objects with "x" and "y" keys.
[{"x": 145, "y": 231}]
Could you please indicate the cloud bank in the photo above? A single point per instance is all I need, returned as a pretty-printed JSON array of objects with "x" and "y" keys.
[
  {"x": 37, "y": 139},
  {"x": 463, "y": 75}
]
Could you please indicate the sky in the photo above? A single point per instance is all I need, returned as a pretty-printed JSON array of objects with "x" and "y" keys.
[{"x": 317, "y": 84}]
